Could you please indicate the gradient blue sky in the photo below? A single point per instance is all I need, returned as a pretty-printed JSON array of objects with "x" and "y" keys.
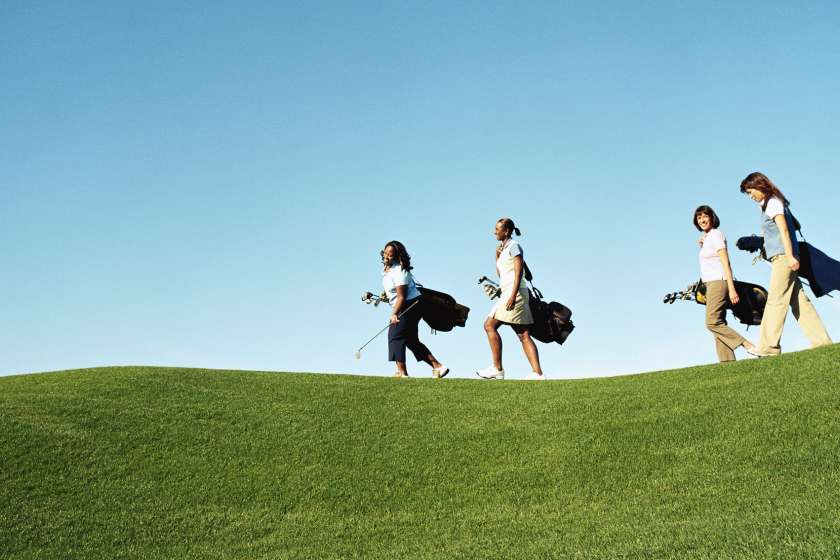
[{"x": 209, "y": 184}]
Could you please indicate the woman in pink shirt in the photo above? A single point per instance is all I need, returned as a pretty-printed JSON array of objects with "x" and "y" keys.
[{"x": 716, "y": 274}]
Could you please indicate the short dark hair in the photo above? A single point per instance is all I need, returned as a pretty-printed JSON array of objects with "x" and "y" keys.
[{"x": 707, "y": 210}]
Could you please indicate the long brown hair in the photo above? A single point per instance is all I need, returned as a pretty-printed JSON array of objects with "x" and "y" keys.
[
  {"x": 760, "y": 182},
  {"x": 402, "y": 255}
]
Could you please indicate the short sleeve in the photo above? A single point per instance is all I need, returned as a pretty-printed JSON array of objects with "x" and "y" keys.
[
  {"x": 514, "y": 249},
  {"x": 399, "y": 276},
  {"x": 716, "y": 240},
  {"x": 774, "y": 208}
]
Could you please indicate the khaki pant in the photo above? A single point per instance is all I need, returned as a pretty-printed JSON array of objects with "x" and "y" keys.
[
  {"x": 786, "y": 289},
  {"x": 726, "y": 339}
]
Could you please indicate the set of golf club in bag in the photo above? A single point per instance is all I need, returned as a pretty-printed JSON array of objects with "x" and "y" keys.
[{"x": 552, "y": 320}]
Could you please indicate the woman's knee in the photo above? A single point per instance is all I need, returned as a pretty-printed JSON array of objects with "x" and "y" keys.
[
  {"x": 491, "y": 325},
  {"x": 713, "y": 325}
]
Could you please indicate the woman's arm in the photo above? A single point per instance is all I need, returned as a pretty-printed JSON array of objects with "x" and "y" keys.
[
  {"x": 727, "y": 274},
  {"x": 517, "y": 279},
  {"x": 781, "y": 222},
  {"x": 398, "y": 304}
]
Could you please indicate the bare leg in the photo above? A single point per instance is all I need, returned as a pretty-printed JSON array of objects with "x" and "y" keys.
[
  {"x": 491, "y": 327},
  {"x": 401, "y": 369},
  {"x": 530, "y": 350},
  {"x": 432, "y": 361}
]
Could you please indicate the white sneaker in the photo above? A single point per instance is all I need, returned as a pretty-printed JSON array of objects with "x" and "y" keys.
[
  {"x": 755, "y": 351},
  {"x": 491, "y": 373},
  {"x": 534, "y": 376},
  {"x": 440, "y": 372}
]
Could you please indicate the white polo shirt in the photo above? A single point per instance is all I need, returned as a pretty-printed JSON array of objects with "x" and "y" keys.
[
  {"x": 711, "y": 267},
  {"x": 396, "y": 276}
]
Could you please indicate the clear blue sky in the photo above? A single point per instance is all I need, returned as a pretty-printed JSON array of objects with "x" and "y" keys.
[{"x": 209, "y": 185}]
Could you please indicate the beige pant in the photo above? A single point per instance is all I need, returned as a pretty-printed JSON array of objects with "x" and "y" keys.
[
  {"x": 726, "y": 339},
  {"x": 786, "y": 289}
]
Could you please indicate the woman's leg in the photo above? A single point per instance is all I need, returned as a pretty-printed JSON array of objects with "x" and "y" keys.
[
  {"x": 491, "y": 327},
  {"x": 807, "y": 317},
  {"x": 778, "y": 298},
  {"x": 396, "y": 347},
  {"x": 412, "y": 337},
  {"x": 726, "y": 339},
  {"x": 530, "y": 349}
]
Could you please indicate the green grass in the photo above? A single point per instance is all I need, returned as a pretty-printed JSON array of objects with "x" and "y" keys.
[{"x": 737, "y": 460}]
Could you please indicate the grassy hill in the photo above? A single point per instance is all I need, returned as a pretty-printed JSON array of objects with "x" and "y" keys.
[{"x": 736, "y": 460}]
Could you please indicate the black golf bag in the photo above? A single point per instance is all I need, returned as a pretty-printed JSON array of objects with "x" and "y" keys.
[
  {"x": 749, "y": 310},
  {"x": 552, "y": 320},
  {"x": 441, "y": 312}
]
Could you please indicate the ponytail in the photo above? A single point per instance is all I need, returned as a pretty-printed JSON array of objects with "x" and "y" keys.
[{"x": 509, "y": 226}]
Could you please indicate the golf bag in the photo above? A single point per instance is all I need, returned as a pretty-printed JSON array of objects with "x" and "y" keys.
[
  {"x": 749, "y": 310},
  {"x": 821, "y": 271},
  {"x": 552, "y": 320},
  {"x": 441, "y": 312}
]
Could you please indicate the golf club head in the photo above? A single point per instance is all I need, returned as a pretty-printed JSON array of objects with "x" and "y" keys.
[{"x": 358, "y": 355}]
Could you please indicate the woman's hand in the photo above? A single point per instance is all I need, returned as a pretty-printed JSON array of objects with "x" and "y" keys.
[
  {"x": 700, "y": 241},
  {"x": 394, "y": 319},
  {"x": 511, "y": 302},
  {"x": 733, "y": 296},
  {"x": 792, "y": 263}
]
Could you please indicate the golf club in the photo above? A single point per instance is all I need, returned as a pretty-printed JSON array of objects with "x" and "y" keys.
[
  {"x": 490, "y": 287},
  {"x": 359, "y": 351}
]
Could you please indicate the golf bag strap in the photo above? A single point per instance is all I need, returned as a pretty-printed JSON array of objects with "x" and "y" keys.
[
  {"x": 527, "y": 271},
  {"x": 797, "y": 226}
]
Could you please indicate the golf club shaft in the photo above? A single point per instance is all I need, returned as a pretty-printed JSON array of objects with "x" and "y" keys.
[{"x": 386, "y": 326}]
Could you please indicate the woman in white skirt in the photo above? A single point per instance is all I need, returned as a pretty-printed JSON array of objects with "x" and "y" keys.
[{"x": 513, "y": 307}]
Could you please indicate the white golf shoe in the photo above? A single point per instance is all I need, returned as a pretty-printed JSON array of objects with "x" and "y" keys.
[
  {"x": 491, "y": 373},
  {"x": 534, "y": 376}
]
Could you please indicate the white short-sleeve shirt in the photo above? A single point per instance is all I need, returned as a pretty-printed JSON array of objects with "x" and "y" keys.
[
  {"x": 711, "y": 267},
  {"x": 510, "y": 251},
  {"x": 775, "y": 207},
  {"x": 396, "y": 276}
]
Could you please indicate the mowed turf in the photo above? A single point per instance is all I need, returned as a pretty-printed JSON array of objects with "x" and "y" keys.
[{"x": 737, "y": 460}]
